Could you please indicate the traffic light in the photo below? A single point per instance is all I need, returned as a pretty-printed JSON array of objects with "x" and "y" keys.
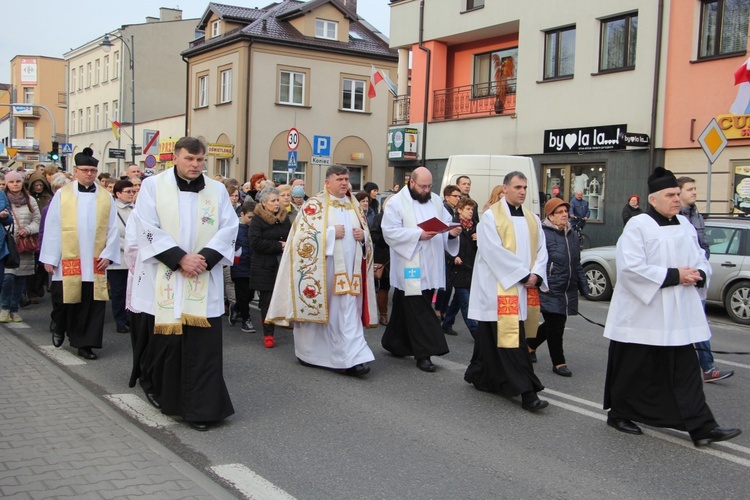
[{"x": 54, "y": 155}]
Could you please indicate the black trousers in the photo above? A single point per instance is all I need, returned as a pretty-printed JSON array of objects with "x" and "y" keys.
[
  {"x": 264, "y": 301},
  {"x": 552, "y": 331},
  {"x": 413, "y": 328},
  {"x": 242, "y": 294},
  {"x": 82, "y": 322},
  {"x": 118, "y": 285}
]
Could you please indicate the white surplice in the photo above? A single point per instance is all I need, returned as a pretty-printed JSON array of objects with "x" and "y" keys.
[
  {"x": 152, "y": 240},
  {"x": 51, "y": 251},
  {"x": 340, "y": 343},
  {"x": 641, "y": 311},
  {"x": 405, "y": 242},
  {"x": 494, "y": 264}
]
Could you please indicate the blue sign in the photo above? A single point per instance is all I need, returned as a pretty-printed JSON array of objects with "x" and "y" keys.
[
  {"x": 66, "y": 148},
  {"x": 292, "y": 160},
  {"x": 411, "y": 273},
  {"x": 322, "y": 145}
]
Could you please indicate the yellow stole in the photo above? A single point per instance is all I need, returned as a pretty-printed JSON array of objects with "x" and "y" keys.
[
  {"x": 71, "y": 252},
  {"x": 507, "y": 300},
  {"x": 342, "y": 285}
]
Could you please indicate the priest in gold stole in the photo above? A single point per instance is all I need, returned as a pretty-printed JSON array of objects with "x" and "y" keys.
[
  {"x": 509, "y": 271},
  {"x": 80, "y": 241}
]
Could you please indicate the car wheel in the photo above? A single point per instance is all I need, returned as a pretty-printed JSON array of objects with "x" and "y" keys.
[
  {"x": 600, "y": 286},
  {"x": 737, "y": 302}
]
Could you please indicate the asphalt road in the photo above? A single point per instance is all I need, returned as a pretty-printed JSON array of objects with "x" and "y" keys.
[{"x": 402, "y": 433}]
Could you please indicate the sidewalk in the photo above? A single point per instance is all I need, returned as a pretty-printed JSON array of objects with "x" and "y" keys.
[{"x": 59, "y": 440}]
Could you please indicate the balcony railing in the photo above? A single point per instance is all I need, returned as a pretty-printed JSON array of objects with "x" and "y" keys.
[
  {"x": 469, "y": 101},
  {"x": 401, "y": 108}
]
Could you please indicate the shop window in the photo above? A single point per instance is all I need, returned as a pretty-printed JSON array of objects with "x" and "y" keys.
[
  {"x": 562, "y": 181},
  {"x": 281, "y": 174},
  {"x": 723, "y": 28}
]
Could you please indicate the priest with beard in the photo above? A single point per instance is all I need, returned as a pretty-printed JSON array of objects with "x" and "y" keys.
[
  {"x": 655, "y": 317},
  {"x": 417, "y": 270}
]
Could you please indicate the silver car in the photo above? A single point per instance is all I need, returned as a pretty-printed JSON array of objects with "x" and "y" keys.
[{"x": 729, "y": 287}]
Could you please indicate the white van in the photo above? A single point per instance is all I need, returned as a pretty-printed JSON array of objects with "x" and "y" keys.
[{"x": 488, "y": 171}]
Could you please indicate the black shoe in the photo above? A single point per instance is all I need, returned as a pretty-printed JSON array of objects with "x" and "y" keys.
[
  {"x": 57, "y": 339},
  {"x": 305, "y": 363},
  {"x": 448, "y": 330},
  {"x": 716, "y": 434},
  {"x": 52, "y": 326},
  {"x": 532, "y": 355},
  {"x": 151, "y": 398},
  {"x": 535, "y": 405},
  {"x": 563, "y": 371},
  {"x": 358, "y": 370},
  {"x": 123, "y": 329},
  {"x": 425, "y": 365},
  {"x": 87, "y": 353},
  {"x": 624, "y": 425},
  {"x": 199, "y": 426}
]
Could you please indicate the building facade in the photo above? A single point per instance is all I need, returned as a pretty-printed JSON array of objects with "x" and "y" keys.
[{"x": 258, "y": 73}]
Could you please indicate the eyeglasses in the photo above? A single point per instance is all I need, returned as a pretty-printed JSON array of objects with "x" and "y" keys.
[
  {"x": 420, "y": 186},
  {"x": 87, "y": 171}
]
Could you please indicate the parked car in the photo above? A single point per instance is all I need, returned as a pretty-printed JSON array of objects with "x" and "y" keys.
[{"x": 729, "y": 286}]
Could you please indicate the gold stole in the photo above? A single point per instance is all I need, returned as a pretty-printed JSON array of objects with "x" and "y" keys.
[
  {"x": 194, "y": 290},
  {"x": 71, "y": 252},
  {"x": 342, "y": 285},
  {"x": 507, "y": 300}
]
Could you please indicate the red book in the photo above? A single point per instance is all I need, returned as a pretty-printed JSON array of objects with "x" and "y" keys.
[{"x": 436, "y": 225}]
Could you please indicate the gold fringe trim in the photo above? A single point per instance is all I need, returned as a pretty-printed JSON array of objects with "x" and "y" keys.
[
  {"x": 193, "y": 320},
  {"x": 168, "y": 329}
]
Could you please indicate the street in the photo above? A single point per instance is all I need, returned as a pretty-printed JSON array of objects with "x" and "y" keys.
[{"x": 402, "y": 433}]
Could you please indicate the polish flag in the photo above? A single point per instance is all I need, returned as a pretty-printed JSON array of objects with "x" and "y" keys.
[
  {"x": 741, "y": 104},
  {"x": 375, "y": 78}
]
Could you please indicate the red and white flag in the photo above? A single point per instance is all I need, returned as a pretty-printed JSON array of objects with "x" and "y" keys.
[
  {"x": 375, "y": 77},
  {"x": 741, "y": 104}
]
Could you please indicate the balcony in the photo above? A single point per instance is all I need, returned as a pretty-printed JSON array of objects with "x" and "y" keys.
[
  {"x": 401, "y": 109},
  {"x": 473, "y": 101}
]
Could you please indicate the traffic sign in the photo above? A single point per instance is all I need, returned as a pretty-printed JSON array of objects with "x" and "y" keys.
[
  {"x": 292, "y": 139},
  {"x": 292, "y": 160},
  {"x": 324, "y": 161},
  {"x": 322, "y": 145},
  {"x": 150, "y": 161},
  {"x": 151, "y": 140},
  {"x": 12, "y": 152},
  {"x": 712, "y": 140},
  {"x": 66, "y": 148}
]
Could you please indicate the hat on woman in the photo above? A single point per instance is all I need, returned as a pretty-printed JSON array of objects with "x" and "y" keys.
[{"x": 551, "y": 205}]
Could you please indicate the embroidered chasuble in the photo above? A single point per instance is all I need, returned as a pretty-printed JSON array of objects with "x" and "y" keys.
[
  {"x": 71, "y": 252},
  {"x": 507, "y": 300}
]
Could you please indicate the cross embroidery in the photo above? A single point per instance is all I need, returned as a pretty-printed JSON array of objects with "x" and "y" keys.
[
  {"x": 71, "y": 267},
  {"x": 196, "y": 282},
  {"x": 507, "y": 306},
  {"x": 168, "y": 289},
  {"x": 341, "y": 283},
  {"x": 411, "y": 273},
  {"x": 355, "y": 286}
]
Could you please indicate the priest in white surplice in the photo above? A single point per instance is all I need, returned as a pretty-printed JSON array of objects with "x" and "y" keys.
[
  {"x": 80, "y": 241},
  {"x": 655, "y": 317},
  {"x": 325, "y": 285},
  {"x": 417, "y": 270},
  {"x": 509, "y": 270},
  {"x": 185, "y": 230}
]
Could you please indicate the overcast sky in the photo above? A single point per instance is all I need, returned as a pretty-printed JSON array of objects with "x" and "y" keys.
[{"x": 51, "y": 28}]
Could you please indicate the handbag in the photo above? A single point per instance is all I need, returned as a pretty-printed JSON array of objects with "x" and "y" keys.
[
  {"x": 13, "y": 259},
  {"x": 28, "y": 243},
  {"x": 378, "y": 269}
]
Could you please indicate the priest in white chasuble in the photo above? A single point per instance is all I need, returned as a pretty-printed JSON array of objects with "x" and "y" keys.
[
  {"x": 417, "y": 270},
  {"x": 185, "y": 230},
  {"x": 325, "y": 286},
  {"x": 80, "y": 241},
  {"x": 655, "y": 317},
  {"x": 509, "y": 271}
]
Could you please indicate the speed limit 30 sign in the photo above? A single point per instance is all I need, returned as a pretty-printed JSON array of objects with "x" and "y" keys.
[{"x": 292, "y": 139}]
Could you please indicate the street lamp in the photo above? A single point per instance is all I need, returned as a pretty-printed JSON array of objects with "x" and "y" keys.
[{"x": 107, "y": 45}]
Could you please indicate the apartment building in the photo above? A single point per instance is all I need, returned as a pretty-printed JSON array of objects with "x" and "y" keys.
[
  {"x": 594, "y": 92},
  {"x": 259, "y": 72}
]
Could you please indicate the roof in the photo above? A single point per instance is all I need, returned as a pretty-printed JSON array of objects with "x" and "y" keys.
[{"x": 271, "y": 24}]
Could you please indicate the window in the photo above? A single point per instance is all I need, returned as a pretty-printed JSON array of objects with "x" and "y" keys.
[
  {"x": 202, "y": 91},
  {"x": 723, "y": 240},
  {"x": 105, "y": 77},
  {"x": 215, "y": 28},
  {"x": 563, "y": 181},
  {"x": 72, "y": 79},
  {"x": 291, "y": 87},
  {"x": 97, "y": 71},
  {"x": 88, "y": 75},
  {"x": 73, "y": 122},
  {"x": 80, "y": 77},
  {"x": 724, "y": 26},
  {"x": 226, "y": 86},
  {"x": 97, "y": 116},
  {"x": 280, "y": 171},
  {"x": 80, "y": 121},
  {"x": 559, "y": 52},
  {"x": 115, "y": 110},
  {"x": 222, "y": 166},
  {"x": 116, "y": 68},
  {"x": 353, "y": 95},
  {"x": 28, "y": 95},
  {"x": 28, "y": 130},
  {"x": 88, "y": 119},
  {"x": 618, "y": 36},
  {"x": 326, "y": 29},
  {"x": 495, "y": 72},
  {"x": 105, "y": 114},
  {"x": 474, "y": 4}
]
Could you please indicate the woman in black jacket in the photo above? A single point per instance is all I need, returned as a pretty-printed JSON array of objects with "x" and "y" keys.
[
  {"x": 631, "y": 208},
  {"x": 268, "y": 231},
  {"x": 382, "y": 259},
  {"x": 565, "y": 278}
]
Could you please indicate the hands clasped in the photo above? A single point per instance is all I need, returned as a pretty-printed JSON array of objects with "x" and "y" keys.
[
  {"x": 192, "y": 264},
  {"x": 689, "y": 276}
]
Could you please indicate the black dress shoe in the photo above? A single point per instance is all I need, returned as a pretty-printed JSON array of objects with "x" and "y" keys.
[
  {"x": 716, "y": 434},
  {"x": 87, "y": 353},
  {"x": 563, "y": 371},
  {"x": 151, "y": 398},
  {"x": 532, "y": 355},
  {"x": 450, "y": 331},
  {"x": 535, "y": 405},
  {"x": 624, "y": 425},
  {"x": 52, "y": 327},
  {"x": 358, "y": 370},
  {"x": 199, "y": 426},
  {"x": 57, "y": 339},
  {"x": 425, "y": 365},
  {"x": 123, "y": 329}
]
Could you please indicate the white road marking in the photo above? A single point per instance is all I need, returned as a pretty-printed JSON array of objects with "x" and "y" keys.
[
  {"x": 61, "y": 356},
  {"x": 250, "y": 484},
  {"x": 17, "y": 326},
  {"x": 731, "y": 363},
  {"x": 140, "y": 410}
]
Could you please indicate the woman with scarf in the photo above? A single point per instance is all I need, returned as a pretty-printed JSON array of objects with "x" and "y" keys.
[
  {"x": 26, "y": 216},
  {"x": 117, "y": 274}
]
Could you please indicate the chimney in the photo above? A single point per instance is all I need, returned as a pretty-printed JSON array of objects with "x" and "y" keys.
[
  {"x": 167, "y": 14},
  {"x": 351, "y": 5}
]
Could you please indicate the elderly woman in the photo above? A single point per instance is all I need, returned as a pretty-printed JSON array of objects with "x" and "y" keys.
[
  {"x": 298, "y": 199},
  {"x": 26, "y": 216},
  {"x": 631, "y": 208},
  {"x": 268, "y": 232},
  {"x": 117, "y": 274},
  {"x": 285, "y": 197},
  {"x": 565, "y": 278}
]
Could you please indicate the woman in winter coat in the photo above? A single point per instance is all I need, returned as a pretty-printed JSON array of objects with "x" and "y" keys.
[
  {"x": 26, "y": 215},
  {"x": 565, "y": 278},
  {"x": 631, "y": 208},
  {"x": 381, "y": 258},
  {"x": 460, "y": 268},
  {"x": 40, "y": 190},
  {"x": 268, "y": 231}
]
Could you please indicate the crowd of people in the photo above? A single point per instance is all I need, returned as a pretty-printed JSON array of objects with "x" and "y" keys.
[{"x": 175, "y": 264}]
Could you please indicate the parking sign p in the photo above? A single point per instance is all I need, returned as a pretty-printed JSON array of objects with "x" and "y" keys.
[{"x": 322, "y": 145}]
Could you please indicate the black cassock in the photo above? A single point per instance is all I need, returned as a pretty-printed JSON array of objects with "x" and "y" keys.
[{"x": 414, "y": 328}]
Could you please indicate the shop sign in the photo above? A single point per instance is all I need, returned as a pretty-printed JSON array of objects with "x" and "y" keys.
[
  {"x": 402, "y": 143},
  {"x": 584, "y": 139},
  {"x": 734, "y": 126},
  {"x": 741, "y": 196},
  {"x": 166, "y": 146},
  {"x": 220, "y": 150}
]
